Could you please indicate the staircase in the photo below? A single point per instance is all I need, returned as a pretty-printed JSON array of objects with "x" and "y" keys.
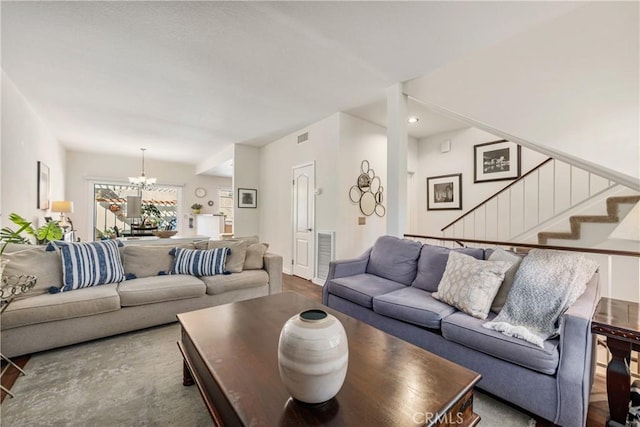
[{"x": 615, "y": 213}]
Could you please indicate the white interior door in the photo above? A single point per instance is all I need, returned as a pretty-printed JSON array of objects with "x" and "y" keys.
[{"x": 303, "y": 221}]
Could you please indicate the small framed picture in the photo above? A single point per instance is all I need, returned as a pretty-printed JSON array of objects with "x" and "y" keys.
[
  {"x": 43, "y": 186},
  {"x": 496, "y": 161},
  {"x": 247, "y": 198},
  {"x": 444, "y": 192}
]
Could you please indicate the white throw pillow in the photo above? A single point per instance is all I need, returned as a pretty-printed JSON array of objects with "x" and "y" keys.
[{"x": 470, "y": 284}]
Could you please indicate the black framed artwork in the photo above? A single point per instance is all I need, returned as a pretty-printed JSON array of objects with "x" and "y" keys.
[
  {"x": 43, "y": 186},
  {"x": 247, "y": 198},
  {"x": 444, "y": 192},
  {"x": 496, "y": 161}
]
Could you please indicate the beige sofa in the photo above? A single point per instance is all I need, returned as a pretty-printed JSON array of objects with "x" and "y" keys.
[{"x": 40, "y": 320}]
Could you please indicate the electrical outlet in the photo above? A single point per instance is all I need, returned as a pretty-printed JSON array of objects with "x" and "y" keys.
[{"x": 362, "y": 220}]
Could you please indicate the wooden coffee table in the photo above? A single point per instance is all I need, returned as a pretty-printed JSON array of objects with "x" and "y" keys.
[{"x": 231, "y": 353}]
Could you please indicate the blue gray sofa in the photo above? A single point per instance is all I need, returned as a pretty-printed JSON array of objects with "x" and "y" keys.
[{"x": 390, "y": 287}]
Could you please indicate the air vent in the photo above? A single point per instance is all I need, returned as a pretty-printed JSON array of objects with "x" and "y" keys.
[
  {"x": 304, "y": 137},
  {"x": 325, "y": 253}
]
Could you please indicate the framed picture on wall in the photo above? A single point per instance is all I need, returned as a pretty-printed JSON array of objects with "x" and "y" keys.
[
  {"x": 496, "y": 161},
  {"x": 444, "y": 192},
  {"x": 43, "y": 186},
  {"x": 247, "y": 198}
]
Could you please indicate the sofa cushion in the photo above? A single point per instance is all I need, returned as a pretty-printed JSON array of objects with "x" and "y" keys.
[
  {"x": 147, "y": 260},
  {"x": 394, "y": 259},
  {"x": 236, "y": 256},
  {"x": 433, "y": 261},
  {"x": 362, "y": 288},
  {"x": 509, "y": 276},
  {"x": 149, "y": 290},
  {"x": 199, "y": 263},
  {"x": 255, "y": 255},
  {"x": 468, "y": 331},
  {"x": 45, "y": 265},
  {"x": 249, "y": 239},
  {"x": 412, "y": 305},
  {"x": 471, "y": 284},
  {"x": 230, "y": 282},
  {"x": 67, "y": 305},
  {"x": 89, "y": 264}
]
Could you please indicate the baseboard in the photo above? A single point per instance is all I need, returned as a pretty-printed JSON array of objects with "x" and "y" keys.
[{"x": 318, "y": 281}]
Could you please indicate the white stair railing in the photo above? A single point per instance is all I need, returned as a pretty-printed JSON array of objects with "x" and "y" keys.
[{"x": 548, "y": 190}]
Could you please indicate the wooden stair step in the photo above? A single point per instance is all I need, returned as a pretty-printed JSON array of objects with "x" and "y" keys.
[{"x": 613, "y": 208}]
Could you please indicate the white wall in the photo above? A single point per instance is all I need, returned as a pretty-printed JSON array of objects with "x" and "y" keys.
[
  {"x": 82, "y": 167},
  {"x": 359, "y": 140},
  {"x": 246, "y": 174},
  {"x": 431, "y": 162},
  {"x": 276, "y": 162},
  {"x": 337, "y": 145},
  {"x": 569, "y": 86},
  {"x": 26, "y": 139}
]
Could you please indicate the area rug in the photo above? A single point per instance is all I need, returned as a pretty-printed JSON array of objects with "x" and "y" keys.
[{"x": 135, "y": 379}]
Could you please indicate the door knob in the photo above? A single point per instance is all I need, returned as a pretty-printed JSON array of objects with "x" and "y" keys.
[{"x": 309, "y": 229}]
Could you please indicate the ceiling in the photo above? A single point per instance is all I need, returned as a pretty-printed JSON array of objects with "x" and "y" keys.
[{"x": 187, "y": 79}]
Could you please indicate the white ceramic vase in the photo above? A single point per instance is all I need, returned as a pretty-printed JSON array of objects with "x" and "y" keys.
[{"x": 313, "y": 356}]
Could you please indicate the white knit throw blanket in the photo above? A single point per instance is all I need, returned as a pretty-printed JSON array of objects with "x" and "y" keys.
[{"x": 546, "y": 284}]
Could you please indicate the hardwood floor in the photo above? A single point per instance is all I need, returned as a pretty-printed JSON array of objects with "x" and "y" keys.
[{"x": 598, "y": 409}]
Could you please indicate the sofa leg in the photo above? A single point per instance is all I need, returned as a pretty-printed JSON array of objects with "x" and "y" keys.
[{"x": 187, "y": 379}]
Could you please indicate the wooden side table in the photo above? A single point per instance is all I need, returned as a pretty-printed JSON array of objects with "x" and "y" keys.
[{"x": 619, "y": 321}]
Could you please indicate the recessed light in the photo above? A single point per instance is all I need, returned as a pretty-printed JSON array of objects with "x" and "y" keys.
[{"x": 413, "y": 120}]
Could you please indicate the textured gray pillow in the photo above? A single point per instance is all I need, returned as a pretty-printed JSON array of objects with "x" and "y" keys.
[
  {"x": 432, "y": 262},
  {"x": 470, "y": 284},
  {"x": 394, "y": 259},
  {"x": 509, "y": 276},
  {"x": 236, "y": 257}
]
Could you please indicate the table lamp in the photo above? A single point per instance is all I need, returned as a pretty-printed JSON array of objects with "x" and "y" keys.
[
  {"x": 134, "y": 208},
  {"x": 63, "y": 207}
]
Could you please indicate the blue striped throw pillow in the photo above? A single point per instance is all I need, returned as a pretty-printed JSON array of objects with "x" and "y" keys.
[
  {"x": 199, "y": 262},
  {"x": 90, "y": 264}
]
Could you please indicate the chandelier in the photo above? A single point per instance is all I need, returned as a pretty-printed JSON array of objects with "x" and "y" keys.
[{"x": 142, "y": 182}]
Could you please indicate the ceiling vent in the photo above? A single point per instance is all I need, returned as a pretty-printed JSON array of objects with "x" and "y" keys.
[{"x": 304, "y": 137}]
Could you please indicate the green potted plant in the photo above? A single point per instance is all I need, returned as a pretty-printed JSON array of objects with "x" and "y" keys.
[
  {"x": 43, "y": 234},
  {"x": 150, "y": 215},
  {"x": 195, "y": 208}
]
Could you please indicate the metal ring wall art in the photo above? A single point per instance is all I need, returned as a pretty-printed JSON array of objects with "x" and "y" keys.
[{"x": 367, "y": 192}]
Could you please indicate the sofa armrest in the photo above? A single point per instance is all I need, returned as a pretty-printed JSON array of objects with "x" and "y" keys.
[
  {"x": 273, "y": 266},
  {"x": 577, "y": 357},
  {"x": 348, "y": 267},
  {"x": 344, "y": 268}
]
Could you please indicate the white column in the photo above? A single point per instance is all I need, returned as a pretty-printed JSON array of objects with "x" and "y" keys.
[{"x": 397, "y": 137}]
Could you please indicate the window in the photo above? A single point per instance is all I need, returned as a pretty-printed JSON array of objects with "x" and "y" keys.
[
  {"x": 225, "y": 202},
  {"x": 112, "y": 218}
]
